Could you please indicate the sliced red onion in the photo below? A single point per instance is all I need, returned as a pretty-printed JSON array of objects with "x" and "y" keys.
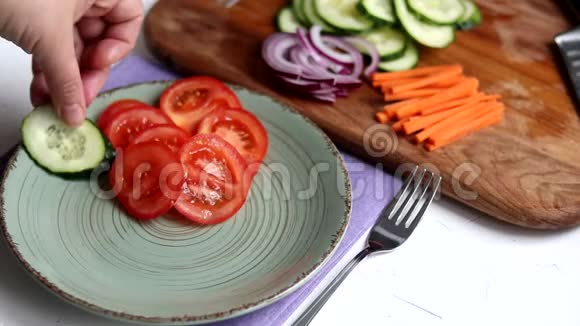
[
  {"x": 305, "y": 66},
  {"x": 301, "y": 83},
  {"x": 341, "y": 92},
  {"x": 304, "y": 39},
  {"x": 358, "y": 63},
  {"x": 315, "y": 36},
  {"x": 274, "y": 52},
  {"x": 371, "y": 50},
  {"x": 331, "y": 98}
]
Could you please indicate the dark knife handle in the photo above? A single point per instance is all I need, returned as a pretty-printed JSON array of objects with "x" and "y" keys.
[{"x": 571, "y": 8}]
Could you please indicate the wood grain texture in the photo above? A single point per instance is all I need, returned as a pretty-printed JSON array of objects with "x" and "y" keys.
[{"x": 529, "y": 165}]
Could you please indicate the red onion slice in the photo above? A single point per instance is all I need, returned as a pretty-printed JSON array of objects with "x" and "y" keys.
[
  {"x": 371, "y": 50},
  {"x": 315, "y": 36},
  {"x": 358, "y": 63},
  {"x": 274, "y": 51}
]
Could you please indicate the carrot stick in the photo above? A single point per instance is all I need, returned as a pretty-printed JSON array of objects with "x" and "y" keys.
[
  {"x": 439, "y": 140},
  {"x": 466, "y": 88},
  {"x": 391, "y": 109},
  {"x": 414, "y": 72},
  {"x": 398, "y": 126},
  {"x": 458, "y": 118},
  {"x": 423, "y": 122},
  {"x": 449, "y": 82},
  {"x": 388, "y": 87},
  {"x": 449, "y": 105},
  {"x": 423, "y": 82},
  {"x": 418, "y": 93},
  {"x": 479, "y": 97},
  {"x": 382, "y": 117},
  {"x": 390, "y": 83}
]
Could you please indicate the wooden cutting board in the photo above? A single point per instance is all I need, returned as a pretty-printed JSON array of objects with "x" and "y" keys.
[{"x": 525, "y": 171}]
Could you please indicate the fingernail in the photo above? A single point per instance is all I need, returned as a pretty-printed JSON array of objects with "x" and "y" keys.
[{"x": 74, "y": 115}]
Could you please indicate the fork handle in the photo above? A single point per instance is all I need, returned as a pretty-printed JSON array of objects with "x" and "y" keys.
[{"x": 323, "y": 297}]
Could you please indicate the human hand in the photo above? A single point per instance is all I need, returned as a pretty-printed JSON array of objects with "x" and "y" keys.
[{"x": 73, "y": 43}]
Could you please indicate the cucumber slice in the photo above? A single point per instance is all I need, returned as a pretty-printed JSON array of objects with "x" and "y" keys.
[
  {"x": 343, "y": 15},
  {"x": 380, "y": 11},
  {"x": 287, "y": 22},
  {"x": 298, "y": 12},
  {"x": 390, "y": 42},
  {"x": 312, "y": 17},
  {"x": 429, "y": 35},
  {"x": 441, "y": 12},
  {"x": 60, "y": 149},
  {"x": 407, "y": 61},
  {"x": 471, "y": 16}
]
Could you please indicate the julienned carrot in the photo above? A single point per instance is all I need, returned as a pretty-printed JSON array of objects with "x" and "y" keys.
[
  {"x": 466, "y": 88},
  {"x": 416, "y": 93},
  {"x": 391, "y": 109},
  {"x": 388, "y": 86},
  {"x": 423, "y": 122},
  {"x": 449, "y": 82},
  {"x": 431, "y": 79},
  {"x": 414, "y": 72},
  {"x": 398, "y": 126},
  {"x": 458, "y": 119},
  {"x": 390, "y": 83},
  {"x": 382, "y": 117},
  {"x": 479, "y": 97},
  {"x": 436, "y": 141},
  {"x": 449, "y": 105},
  {"x": 445, "y": 135}
]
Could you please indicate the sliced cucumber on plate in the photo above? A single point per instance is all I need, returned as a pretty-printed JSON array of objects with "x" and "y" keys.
[
  {"x": 343, "y": 15},
  {"x": 424, "y": 33},
  {"x": 440, "y": 12},
  {"x": 312, "y": 18},
  {"x": 297, "y": 9},
  {"x": 409, "y": 60},
  {"x": 390, "y": 42},
  {"x": 380, "y": 11},
  {"x": 287, "y": 21},
  {"x": 471, "y": 16},
  {"x": 60, "y": 149}
]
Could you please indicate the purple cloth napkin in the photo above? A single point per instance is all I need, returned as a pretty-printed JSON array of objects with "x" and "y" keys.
[{"x": 372, "y": 189}]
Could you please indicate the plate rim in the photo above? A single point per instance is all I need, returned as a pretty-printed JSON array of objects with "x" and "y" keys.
[{"x": 187, "y": 319}]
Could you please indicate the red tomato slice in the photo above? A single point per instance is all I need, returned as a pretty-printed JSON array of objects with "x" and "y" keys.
[
  {"x": 125, "y": 125},
  {"x": 213, "y": 190},
  {"x": 189, "y": 100},
  {"x": 241, "y": 129},
  {"x": 148, "y": 178},
  {"x": 114, "y": 109},
  {"x": 169, "y": 135}
]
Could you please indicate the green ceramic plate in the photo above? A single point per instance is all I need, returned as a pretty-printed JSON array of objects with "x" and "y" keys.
[{"x": 86, "y": 250}]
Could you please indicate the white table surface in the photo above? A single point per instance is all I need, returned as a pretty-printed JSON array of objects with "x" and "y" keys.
[{"x": 460, "y": 267}]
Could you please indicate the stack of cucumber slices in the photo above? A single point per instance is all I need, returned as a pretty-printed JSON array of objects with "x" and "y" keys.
[{"x": 393, "y": 26}]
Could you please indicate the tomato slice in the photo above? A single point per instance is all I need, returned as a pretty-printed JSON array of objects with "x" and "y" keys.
[
  {"x": 148, "y": 178},
  {"x": 114, "y": 109},
  {"x": 213, "y": 190},
  {"x": 189, "y": 100},
  {"x": 125, "y": 125},
  {"x": 241, "y": 129},
  {"x": 169, "y": 135}
]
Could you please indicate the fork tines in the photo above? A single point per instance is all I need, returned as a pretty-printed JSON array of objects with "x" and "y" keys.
[{"x": 416, "y": 194}]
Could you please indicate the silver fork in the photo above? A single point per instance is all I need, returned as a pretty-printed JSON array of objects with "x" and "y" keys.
[{"x": 393, "y": 226}]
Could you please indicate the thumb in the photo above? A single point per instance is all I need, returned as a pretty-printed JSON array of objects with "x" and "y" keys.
[{"x": 56, "y": 57}]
